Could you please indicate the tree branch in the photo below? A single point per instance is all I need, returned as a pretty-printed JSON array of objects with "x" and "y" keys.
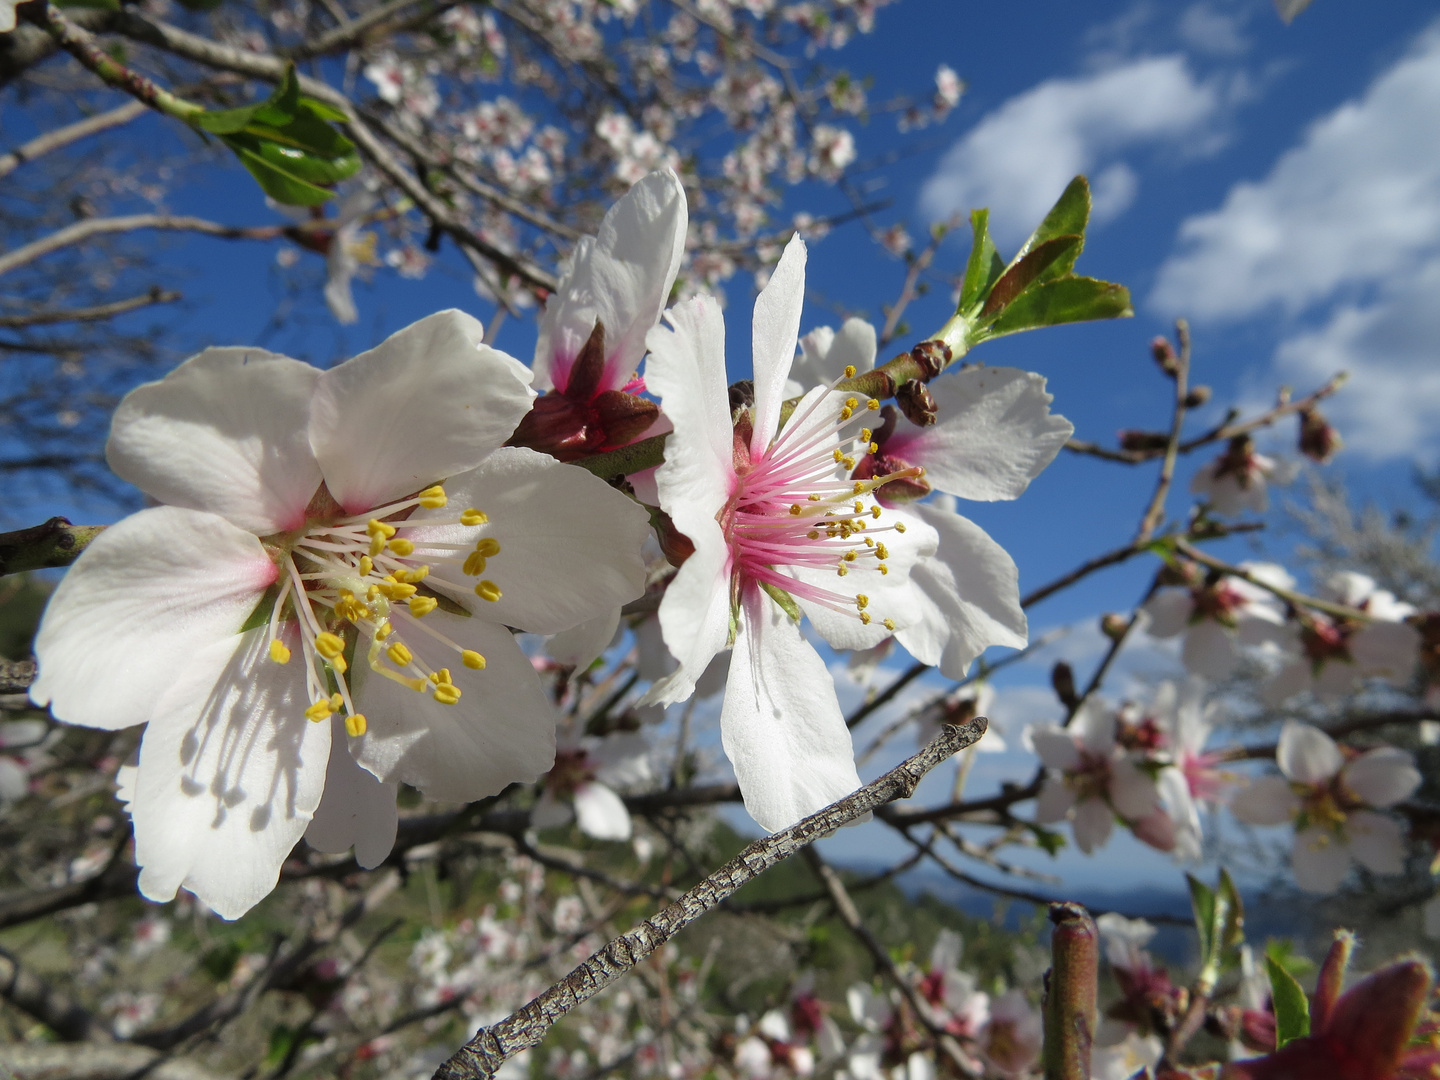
[
  {"x": 93, "y": 227},
  {"x": 41, "y": 547},
  {"x": 488, "y": 1050},
  {"x": 62, "y": 137},
  {"x": 89, "y": 1061},
  {"x": 156, "y": 295}
]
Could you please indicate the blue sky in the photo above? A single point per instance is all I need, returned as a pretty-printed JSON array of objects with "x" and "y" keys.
[{"x": 1279, "y": 186}]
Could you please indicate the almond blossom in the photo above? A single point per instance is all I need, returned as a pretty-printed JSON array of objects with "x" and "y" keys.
[
  {"x": 1332, "y": 799},
  {"x": 583, "y": 784},
  {"x": 1219, "y": 615},
  {"x": 336, "y": 562},
  {"x": 1236, "y": 480},
  {"x": 777, "y": 531},
  {"x": 1336, "y": 653},
  {"x": 1091, "y": 777}
]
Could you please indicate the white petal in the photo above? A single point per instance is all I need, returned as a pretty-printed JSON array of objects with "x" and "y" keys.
[
  {"x": 1092, "y": 824},
  {"x": 428, "y": 402},
  {"x": 569, "y": 542},
  {"x": 1348, "y": 587},
  {"x": 356, "y": 811},
  {"x": 1386, "y": 648},
  {"x": 223, "y": 432},
  {"x": 1132, "y": 791},
  {"x": 1382, "y": 777},
  {"x": 1306, "y": 754},
  {"x": 230, "y": 774},
  {"x": 141, "y": 605},
  {"x": 1055, "y": 746},
  {"x": 622, "y": 760},
  {"x": 1336, "y": 677},
  {"x": 1054, "y": 801},
  {"x": 994, "y": 435},
  {"x": 1268, "y": 800},
  {"x": 973, "y": 587},
  {"x": 623, "y": 279},
  {"x": 1209, "y": 650},
  {"x": 776, "y": 328},
  {"x": 695, "y": 621},
  {"x": 1319, "y": 860},
  {"x": 550, "y": 812},
  {"x": 581, "y": 646},
  {"x": 1169, "y": 611},
  {"x": 1377, "y": 842},
  {"x": 600, "y": 813},
  {"x": 1095, "y": 725},
  {"x": 501, "y": 732},
  {"x": 1294, "y": 678},
  {"x": 780, "y": 722},
  {"x": 824, "y": 354}
]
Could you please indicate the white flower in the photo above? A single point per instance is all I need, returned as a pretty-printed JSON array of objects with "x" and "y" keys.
[
  {"x": 1135, "y": 1055},
  {"x": 1236, "y": 480},
  {"x": 587, "y": 774},
  {"x": 773, "y": 522},
  {"x": 1091, "y": 777},
  {"x": 1332, "y": 802},
  {"x": 1220, "y": 617},
  {"x": 303, "y": 516},
  {"x": 1010, "y": 1043}
]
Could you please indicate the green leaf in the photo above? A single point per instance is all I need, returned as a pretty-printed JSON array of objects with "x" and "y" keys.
[
  {"x": 1202, "y": 903},
  {"x": 1283, "y": 952},
  {"x": 1069, "y": 216},
  {"x": 1292, "y": 1007},
  {"x": 261, "y": 615},
  {"x": 282, "y": 105},
  {"x": 1220, "y": 924},
  {"x": 1025, "y": 272},
  {"x": 784, "y": 599},
  {"x": 984, "y": 266},
  {"x": 1064, "y": 300},
  {"x": 1051, "y": 841},
  {"x": 275, "y": 179},
  {"x": 287, "y": 151},
  {"x": 321, "y": 111}
]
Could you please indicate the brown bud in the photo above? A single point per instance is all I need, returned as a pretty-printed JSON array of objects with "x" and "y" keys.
[
  {"x": 742, "y": 395},
  {"x": 931, "y": 356},
  {"x": 1142, "y": 440},
  {"x": 1186, "y": 574},
  {"x": 676, "y": 546},
  {"x": 1198, "y": 396},
  {"x": 1062, "y": 678},
  {"x": 917, "y": 403},
  {"x": 1164, "y": 354},
  {"x": 1318, "y": 440},
  {"x": 1113, "y": 625}
]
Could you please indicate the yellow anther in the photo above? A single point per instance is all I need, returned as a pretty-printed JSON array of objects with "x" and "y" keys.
[
  {"x": 846, "y": 413},
  {"x": 874, "y": 448},
  {"x": 319, "y": 711},
  {"x": 423, "y": 605},
  {"x": 881, "y": 551},
  {"x": 329, "y": 645},
  {"x": 376, "y": 527},
  {"x": 851, "y": 403},
  {"x": 473, "y": 517},
  {"x": 355, "y": 725},
  {"x": 441, "y": 677},
  {"x": 865, "y": 434},
  {"x": 849, "y": 371},
  {"x": 400, "y": 654},
  {"x": 849, "y": 556},
  {"x": 865, "y": 618},
  {"x": 813, "y": 497},
  {"x": 899, "y": 525},
  {"x": 872, "y": 405},
  {"x": 488, "y": 590},
  {"x": 367, "y": 564},
  {"x": 383, "y": 631},
  {"x": 447, "y": 694},
  {"x": 372, "y": 593},
  {"x": 472, "y": 659},
  {"x": 401, "y": 547},
  {"x": 884, "y": 569},
  {"x": 813, "y": 534},
  {"x": 795, "y": 509},
  {"x": 397, "y": 590},
  {"x": 336, "y": 701},
  {"x": 869, "y": 542},
  {"x": 432, "y": 498},
  {"x": 839, "y": 456},
  {"x": 489, "y": 547},
  {"x": 278, "y": 652},
  {"x": 474, "y": 564},
  {"x": 347, "y": 607},
  {"x": 339, "y": 664},
  {"x": 848, "y": 461},
  {"x": 412, "y": 576},
  {"x": 857, "y": 488},
  {"x": 875, "y": 512},
  {"x": 859, "y": 507},
  {"x": 842, "y": 571},
  {"x": 889, "y": 624},
  {"x": 862, "y": 601}
]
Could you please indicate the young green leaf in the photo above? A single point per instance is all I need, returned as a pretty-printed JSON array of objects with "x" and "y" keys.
[
  {"x": 274, "y": 178},
  {"x": 1027, "y": 271},
  {"x": 984, "y": 266},
  {"x": 784, "y": 599},
  {"x": 1069, "y": 216},
  {"x": 1292, "y": 1008},
  {"x": 1064, "y": 300}
]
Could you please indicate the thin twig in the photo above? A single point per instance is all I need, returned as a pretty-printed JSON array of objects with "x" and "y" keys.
[
  {"x": 70, "y": 133},
  {"x": 93, "y": 227},
  {"x": 491, "y": 1046},
  {"x": 1155, "y": 512},
  {"x": 89, "y": 314}
]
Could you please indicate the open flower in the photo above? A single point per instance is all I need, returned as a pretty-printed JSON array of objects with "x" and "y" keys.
[
  {"x": 592, "y": 336},
  {"x": 1236, "y": 481},
  {"x": 1220, "y": 615},
  {"x": 300, "y": 621},
  {"x": 1091, "y": 777},
  {"x": 1332, "y": 802},
  {"x": 777, "y": 530}
]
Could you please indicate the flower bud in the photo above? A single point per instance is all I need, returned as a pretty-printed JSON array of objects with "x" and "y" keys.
[
  {"x": 675, "y": 545},
  {"x": 1197, "y": 396},
  {"x": 1114, "y": 626},
  {"x": 917, "y": 403},
  {"x": 1142, "y": 440},
  {"x": 1062, "y": 678},
  {"x": 931, "y": 356},
  {"x": 1164, "y": 354},
  {"x": 1318, "y": 439}
]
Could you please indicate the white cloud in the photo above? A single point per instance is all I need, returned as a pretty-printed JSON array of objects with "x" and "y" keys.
[
  {"x": 1019, "y": 158},
  {"x": 1355, "y": 203},
  {"x": 1391, "y": 347},
  {"x": 1210, "y": 28}
]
